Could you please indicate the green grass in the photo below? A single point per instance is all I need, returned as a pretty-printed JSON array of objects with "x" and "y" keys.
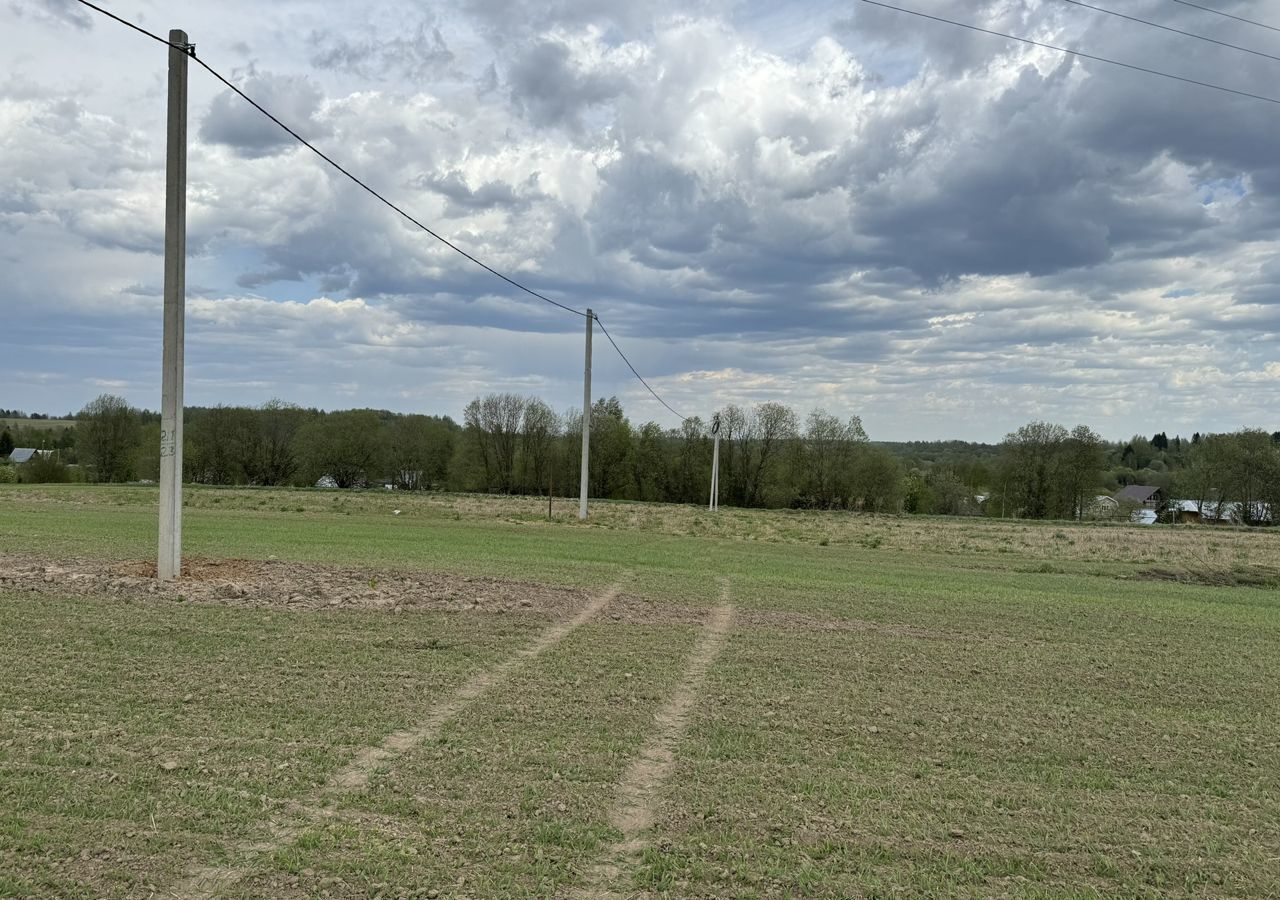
[
  {"x": 870, "y": 765},
  {"x": 914, "y": 708},
  {"x": 139, "y": 737},
  {"x": 37, "y": 424},
  {"x": 510, "y": 797}
]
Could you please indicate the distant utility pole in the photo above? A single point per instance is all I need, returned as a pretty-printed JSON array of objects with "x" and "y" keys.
[
  {"x": 169, "y": 560},
  {"x": 715, "y": 463},
  {"x": 586, "y": 424}
]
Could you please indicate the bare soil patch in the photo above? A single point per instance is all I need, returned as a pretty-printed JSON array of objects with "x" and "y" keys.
[
  {"x": 285, "y": 585},
  {"x": 303, "y": 587}
]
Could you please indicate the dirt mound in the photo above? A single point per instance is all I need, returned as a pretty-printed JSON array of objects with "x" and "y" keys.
[{"x": 287, "y": 585}]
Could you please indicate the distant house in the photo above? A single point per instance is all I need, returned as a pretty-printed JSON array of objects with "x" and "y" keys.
[
  {"x": 1101, "y": 507},
  {"x": 1212, "y": 512},
  {"x": 1144, "y": 495},
  {"x": 1143, "y": 517},
  {"x": 1259, "y": 513},
  {"x": 24, "y": 454},
  {"x": 1208, "y": 512},
  {"x": 1235, "y": 513},
  {"x": 1191, "y": 512}
]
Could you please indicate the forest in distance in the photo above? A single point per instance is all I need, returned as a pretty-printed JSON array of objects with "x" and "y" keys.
[{"x": 771, "y": 456}]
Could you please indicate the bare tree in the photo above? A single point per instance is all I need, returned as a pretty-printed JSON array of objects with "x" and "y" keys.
[
  {"x": 1083, "y": 456},
  {"x": 538, "y": 433},
  {"x": 418, "y": 451},
  {"x": 220, "y": 445},
  {"x": 1031, "y": 461},
  {"x": 276, "y": 459},
  {"x": 1248, "y": 469},
  {"x": 495, "y": 421},
  {"x": 825, "y": 458},
  {"x": 768, "y": 428},
  {"x": 734, "y": 422},
  {"x": 690, "y": 479}
]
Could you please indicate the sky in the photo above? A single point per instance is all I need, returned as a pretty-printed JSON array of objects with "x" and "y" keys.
[{"x": 832, "y": 205}]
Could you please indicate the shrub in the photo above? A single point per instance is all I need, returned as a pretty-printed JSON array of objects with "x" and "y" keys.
[{"x": 43, "y": 470}]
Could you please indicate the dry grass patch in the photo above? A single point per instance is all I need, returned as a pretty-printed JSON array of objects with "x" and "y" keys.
[{"x": 986, "y": 542}]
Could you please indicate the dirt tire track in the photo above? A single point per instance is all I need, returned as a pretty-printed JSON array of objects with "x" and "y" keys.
[
  {"x": 205, "y": 883},
  {"x": 634, "y": 809}
]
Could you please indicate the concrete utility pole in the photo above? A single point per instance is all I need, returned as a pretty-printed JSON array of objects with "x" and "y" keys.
[
  {"x": 586, "y": 424},
  {"x": 169, "y": 561},
  {"x": 715, "y": 464}
]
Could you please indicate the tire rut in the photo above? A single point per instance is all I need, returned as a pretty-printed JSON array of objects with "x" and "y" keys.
[
  {"x": 634, "y": 809},
  {"x": 205, "y": 883}
]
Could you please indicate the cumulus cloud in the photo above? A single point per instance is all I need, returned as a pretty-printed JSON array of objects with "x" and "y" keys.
[
  {"x": 872, "y": 214},
  {"x": 553, "y": 82},
  {"x": 54, "y": 12},
  {"x": 232, "y": 122},
  {"x": 419, "y": 56}
]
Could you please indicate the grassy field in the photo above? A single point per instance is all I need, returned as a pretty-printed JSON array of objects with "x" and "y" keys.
[
  {"x": 466, "y": 699},
  {"x": 37, "y": 424}
]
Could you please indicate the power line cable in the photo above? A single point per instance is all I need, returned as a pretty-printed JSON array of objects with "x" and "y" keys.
[
  {"x": 1190, "y": 34},
  {"x": 452, "y": 246},
  {"x": 637, "y": 374},
  {"x": 1079, "y": 53},
  {"x": 1227, "y": 15},
  {"x": 190, "y": 51}
]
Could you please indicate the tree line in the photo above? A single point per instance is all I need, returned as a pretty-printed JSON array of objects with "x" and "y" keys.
[
  {"x": 506, "y": 443},
  {"x": 770, "y": 457}
]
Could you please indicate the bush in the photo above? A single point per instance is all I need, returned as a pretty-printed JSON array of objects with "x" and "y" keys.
[
  {"x": 7, "y": 474},
  {"x": 44, "y": 470}
]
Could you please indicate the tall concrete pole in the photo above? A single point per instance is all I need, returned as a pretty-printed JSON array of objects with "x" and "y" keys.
[
  {"x": 715, "y": 474},
  {"x": 169, "y": 560},
  {"x": 586, "y": 424},
  {"x": 715, "y": 465}
]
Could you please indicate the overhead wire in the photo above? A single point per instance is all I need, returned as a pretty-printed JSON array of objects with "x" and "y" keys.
[
  {"x": 1227, "y": 15},
  {"x": 1169, "y": 28},
  {"x": 138, "y": 28},
  {"x": 606, "y": 333},
  {"x": 190, "y": 51},
  {"x": 1080, "y": 53}
]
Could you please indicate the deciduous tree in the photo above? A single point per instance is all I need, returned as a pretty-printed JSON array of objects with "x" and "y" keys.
[{"x": 108, "y": 437}]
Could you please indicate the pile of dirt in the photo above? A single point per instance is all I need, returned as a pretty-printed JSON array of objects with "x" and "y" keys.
[{"x": 286, "y": 585}]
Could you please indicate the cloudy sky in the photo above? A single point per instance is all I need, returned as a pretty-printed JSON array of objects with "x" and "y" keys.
[{"x": 824, "y": 203}]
